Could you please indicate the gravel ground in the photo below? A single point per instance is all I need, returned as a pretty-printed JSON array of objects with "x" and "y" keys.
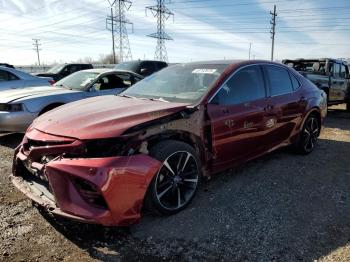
[{"x": 281, "y": 207}]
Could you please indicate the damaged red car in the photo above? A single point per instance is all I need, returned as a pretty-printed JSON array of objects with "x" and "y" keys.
[{"x": 102, "y": 159}]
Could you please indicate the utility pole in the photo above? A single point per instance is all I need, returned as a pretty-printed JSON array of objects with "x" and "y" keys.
[
  {"x": 250, "y": 49},
  {"x": 162, "y": 13},
  {"x": 273, "y": 30},
  {"x": 36, "y": 49},
  {"x": 116, "y": 23},
  {"x": 112, "y": 29}
]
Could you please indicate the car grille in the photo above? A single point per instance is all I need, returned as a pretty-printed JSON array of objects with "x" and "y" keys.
[{"x": 32, "y": 144}]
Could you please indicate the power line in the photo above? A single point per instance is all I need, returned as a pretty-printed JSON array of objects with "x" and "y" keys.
[
  {"x": 162, "y": 13},
  {"x": 37, "y": 50}
]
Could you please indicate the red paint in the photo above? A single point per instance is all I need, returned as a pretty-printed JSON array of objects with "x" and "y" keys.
[{"x": 238, "y": 133}]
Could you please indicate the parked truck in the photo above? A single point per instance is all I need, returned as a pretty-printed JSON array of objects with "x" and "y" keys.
[{"x": 330, "y": 75}]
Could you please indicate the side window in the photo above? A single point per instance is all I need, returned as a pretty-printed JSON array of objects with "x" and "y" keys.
[
  {"x": 7, "y": 76},
  {"x": 3, "y": 76},
  {"x": 111, "y": 82},
  {"x": 336, "y": 70},
  {"x": 66, "y": 70},
  {"x": 245, "y": 86},
  {"x": 147, "y": 68},
  {"x": 74, "y": 68},
  {"x": 295, "y": 81},
  {"x": 343, "y": 72},
  {"x": 161, "y": 65},
  {"x": 279, "y": 80}
]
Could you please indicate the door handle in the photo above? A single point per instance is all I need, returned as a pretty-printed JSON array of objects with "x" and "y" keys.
[
  {"x": 269, "y": 108},
  {"x": 302, "y": 99},
  {"x": 225, "y": 111}
]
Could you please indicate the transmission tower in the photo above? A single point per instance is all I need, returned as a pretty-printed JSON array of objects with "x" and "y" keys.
[
  {"x": 273, "y": 30},
  {"x": 116, "y": 23},
  {"x": 36, "y": 49},
  {"x": 162, "y": 13}
]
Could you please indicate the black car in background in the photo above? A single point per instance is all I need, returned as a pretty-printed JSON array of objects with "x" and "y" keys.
[
  {"x": 142, "y": 67},
  {"x": 60, "y": 71},
  {"x": 7, "y": 65}
]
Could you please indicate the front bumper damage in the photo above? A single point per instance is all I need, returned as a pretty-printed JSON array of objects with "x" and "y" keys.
[{"x": 120, "y": 182}]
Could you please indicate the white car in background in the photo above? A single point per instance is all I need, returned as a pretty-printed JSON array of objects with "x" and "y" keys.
[
  {"x": 19, "y": 107},
  {"x": 12, "y": 79}
]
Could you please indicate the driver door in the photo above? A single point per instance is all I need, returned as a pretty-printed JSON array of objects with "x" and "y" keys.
[{"x": 238, "y": 118}]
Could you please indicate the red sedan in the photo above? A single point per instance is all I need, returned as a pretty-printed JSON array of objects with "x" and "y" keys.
[{"x": 102, "y": 159}]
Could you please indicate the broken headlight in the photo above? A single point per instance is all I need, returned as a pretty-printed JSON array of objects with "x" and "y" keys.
[{"x": 104, "y": 148}]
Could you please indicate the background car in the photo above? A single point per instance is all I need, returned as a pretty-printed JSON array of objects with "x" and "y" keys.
[
  {"x": 60, "y": 71},
  {"x": 330, "y": 75},
  {"x": 11, "y": 79},
  {"x": 7, "y": 65},
  {"x": 104, "y": 158},
  {"x": 142, "y": 67},
  {"x": 18, "y": 108}
]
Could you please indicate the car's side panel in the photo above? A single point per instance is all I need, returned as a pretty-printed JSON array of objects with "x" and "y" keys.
[{"x": 238, "y": 132}]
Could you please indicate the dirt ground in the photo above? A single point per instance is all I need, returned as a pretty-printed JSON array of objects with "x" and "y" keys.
[{"x": 281, "y": 207}]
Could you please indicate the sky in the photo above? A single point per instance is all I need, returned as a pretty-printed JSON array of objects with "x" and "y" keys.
[{"x": 202, "y": 29}]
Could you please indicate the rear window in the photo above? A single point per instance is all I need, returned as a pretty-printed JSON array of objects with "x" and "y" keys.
[
  {"x": 279, "y": 80},
  {"x": 7, "y": 76},
  {"x": 295, "y": 81}
]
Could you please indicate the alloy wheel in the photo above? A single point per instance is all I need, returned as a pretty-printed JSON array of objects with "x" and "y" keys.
[
  {"x": 177, "y": 180},
  {"x": 310, "y": 134}
]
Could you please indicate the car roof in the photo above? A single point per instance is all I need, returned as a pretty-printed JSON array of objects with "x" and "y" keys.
[
  {"x": 17, "y": 72},
  {"x": 109, "y": 70},
  {"x": 215, "y": 62},
  {"x": 232, "y": 62},
  {"x": 316, "y": 60}
]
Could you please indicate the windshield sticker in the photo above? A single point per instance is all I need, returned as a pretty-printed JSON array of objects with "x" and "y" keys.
[{"x": 204, "y": 71}]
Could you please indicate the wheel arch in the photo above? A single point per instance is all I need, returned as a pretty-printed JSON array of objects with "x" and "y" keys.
[
  {"x": 312, "y": 111},
  {"x": 179, "y": 135},
  {"x": 50, "y": 107}
]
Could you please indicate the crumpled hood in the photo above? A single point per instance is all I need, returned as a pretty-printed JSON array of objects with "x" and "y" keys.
[
  {"x": 102, "y": 117},
  {"x": 12, "y": 95}
]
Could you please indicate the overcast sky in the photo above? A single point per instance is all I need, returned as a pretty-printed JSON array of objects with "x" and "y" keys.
[{"x": 202, "y": 29}]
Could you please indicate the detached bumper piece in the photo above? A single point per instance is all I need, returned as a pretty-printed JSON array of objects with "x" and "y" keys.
[{"x": 108, "y": 191}]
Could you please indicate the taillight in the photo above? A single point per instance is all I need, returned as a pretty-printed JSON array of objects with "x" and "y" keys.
[
  {"x": 52, "y": 82},
  {"x": 89, "y": 193}
]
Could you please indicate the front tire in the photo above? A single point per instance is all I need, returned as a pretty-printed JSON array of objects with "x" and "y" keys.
[
  {"x": 309, "y": 135},
  {"x": 177, "y": 180}
]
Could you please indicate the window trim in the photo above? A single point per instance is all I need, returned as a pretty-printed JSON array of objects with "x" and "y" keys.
[
  {"x": 268, "y": 81},
  {"x": 236, "y": 72},
  {"x": 299, "y": 84}
]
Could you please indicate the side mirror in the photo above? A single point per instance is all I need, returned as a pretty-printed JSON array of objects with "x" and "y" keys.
[{"x": 96, "y": 87}]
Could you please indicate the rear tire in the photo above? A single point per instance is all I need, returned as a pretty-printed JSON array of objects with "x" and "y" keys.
[
  {"x": 177, "y": 180},
  {"x": 309, "y": 135}
]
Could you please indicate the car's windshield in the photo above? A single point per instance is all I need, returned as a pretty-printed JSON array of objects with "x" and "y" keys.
[
  {"x": 56, "y": 69},
  {"x": 128, "y": 66},
  {"x": 185, "y": 83},
  {"x": 78, "y": 81}
]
